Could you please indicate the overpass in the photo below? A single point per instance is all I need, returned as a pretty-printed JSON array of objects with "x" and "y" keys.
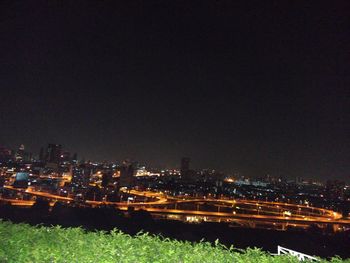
[{"x": 243, "y": 212}]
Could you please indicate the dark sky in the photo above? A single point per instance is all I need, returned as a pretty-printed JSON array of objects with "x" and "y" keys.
[{"x": 250, "y": 86}]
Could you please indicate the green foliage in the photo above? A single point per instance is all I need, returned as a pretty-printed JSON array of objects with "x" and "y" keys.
[{"x": 24, "y": 243}]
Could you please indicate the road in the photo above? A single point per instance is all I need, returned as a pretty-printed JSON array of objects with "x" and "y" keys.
[{"x": 248, "y": 210}]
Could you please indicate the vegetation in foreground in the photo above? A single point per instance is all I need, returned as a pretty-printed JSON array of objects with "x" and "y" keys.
[{"x": 24, "y": 243}]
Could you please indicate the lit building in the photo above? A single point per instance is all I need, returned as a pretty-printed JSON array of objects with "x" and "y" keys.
[
  {"x": 141, "y": 171},
  {"x": 335, "y": 189},
  {"x": 21, "y": 180},
  {"x": 65, "y": 157},
  {"x": 20, "y": 154},
  {"x": 81, "y": 176}
]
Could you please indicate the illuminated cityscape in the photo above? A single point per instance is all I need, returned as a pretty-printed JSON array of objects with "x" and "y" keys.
[
  {"x": 178, "y": 194},
  {"x": 214, "y": 127}
]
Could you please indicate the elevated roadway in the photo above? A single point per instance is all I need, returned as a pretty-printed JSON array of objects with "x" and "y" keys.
[{"x": 208, "y": 209}]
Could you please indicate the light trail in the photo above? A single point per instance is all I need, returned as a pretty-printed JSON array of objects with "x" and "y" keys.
[{"x": 238, "y": 210}]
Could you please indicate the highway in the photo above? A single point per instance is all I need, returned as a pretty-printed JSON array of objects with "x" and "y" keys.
[{"x": 199, "y": 209}]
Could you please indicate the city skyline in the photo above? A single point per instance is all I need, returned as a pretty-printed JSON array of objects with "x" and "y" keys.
[
  {"x": 57, "y": 153},
  {"x": 259, "y": 88}
]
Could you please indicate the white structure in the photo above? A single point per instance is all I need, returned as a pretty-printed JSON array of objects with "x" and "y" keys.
[{"x": 300, "y": 256}]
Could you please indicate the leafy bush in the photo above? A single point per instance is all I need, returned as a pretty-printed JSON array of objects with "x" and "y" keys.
[{"x": 24, "y": 243}]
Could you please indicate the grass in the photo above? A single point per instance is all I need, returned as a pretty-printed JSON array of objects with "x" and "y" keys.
[{"x": 24, "y": 243}]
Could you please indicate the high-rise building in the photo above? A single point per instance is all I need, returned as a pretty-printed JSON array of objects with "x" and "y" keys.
[
  {"x": 81, "y": 175},
  {"x": 185, "y": 166},
  {"x": 53, "y": 153},
  {"x": 126, "y": 178},
  {"x": 19, "y": 156},
  {"x": 75, "y": 158},
  {"x": 5, "y": 154},
  {"x": 41, "y": 154}
]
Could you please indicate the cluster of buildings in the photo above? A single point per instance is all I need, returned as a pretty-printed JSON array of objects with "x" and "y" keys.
[
  {"x": 59, "y": 172},
  {"x": 53, "y": 153},
  {"x": 20, "y": 155}
]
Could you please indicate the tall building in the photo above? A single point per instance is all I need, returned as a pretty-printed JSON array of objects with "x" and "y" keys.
[
  {"x": 126, "y": 178},
  {"x": 75, "y": 158},
  {"x": 53, "y": 153},
  {"x": 185, "y": 166},
  {"x": 5, "y": 154},
  {"x": 81, "y": 175},
  {"x": 20, "y": 153},
  {"x": 41, "y": 154}
]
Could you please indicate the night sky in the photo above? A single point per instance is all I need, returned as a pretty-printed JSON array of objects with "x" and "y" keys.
[{"x": 254, "y": 87}]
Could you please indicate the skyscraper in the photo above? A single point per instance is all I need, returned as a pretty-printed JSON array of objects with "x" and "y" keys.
[
  {"x": 126, "y": 178},
  {"x": 19, "y": 156},
  {"x": 41, "y": 154},
  {"x": 75, "y": 158},
  {"x": 53, "y": 153},
  {"x": 185, "y": 166},
  {"x": 5, "y": 154}
]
